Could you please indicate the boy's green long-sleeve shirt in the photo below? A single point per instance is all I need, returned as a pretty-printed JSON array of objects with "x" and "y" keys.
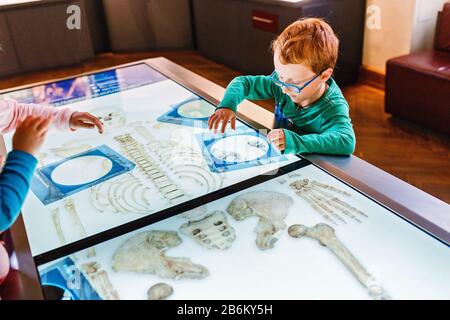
[{"x": 326, "y": 121}]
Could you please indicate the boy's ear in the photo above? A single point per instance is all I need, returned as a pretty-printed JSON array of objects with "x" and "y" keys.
[{"x": 326, "y": 75}]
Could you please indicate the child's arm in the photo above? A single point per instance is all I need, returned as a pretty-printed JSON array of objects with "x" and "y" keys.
[
  {"x": 337, "y": 137},
  {"x": 12, "y": 113},
  {"x": 247, "y": 87},
  {"x": 240, "y": 88},
  {"x": 19, "y": 167},
  {"x": 14, "y": 184}
]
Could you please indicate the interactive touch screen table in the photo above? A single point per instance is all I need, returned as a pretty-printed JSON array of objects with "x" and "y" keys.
[{"x": 160, "y": 206}]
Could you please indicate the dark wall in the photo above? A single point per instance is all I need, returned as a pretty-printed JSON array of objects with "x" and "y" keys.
[{"x": 97, "y": 25}]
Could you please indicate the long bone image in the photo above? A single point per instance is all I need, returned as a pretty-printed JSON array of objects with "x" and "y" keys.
[
  {"x": 270, "y": 207},
  {"x": 56, "y": 218},
  {"x": 69, "y": 205},
  {"x": 145, "y": 253},
  {"x": 325, "y": 203},
  {"x": 100, "y": 281},
  {"x": 326, "y": 236}
]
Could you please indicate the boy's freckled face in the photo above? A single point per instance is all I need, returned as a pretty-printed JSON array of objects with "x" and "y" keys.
[{"x": 296, "y": 74}]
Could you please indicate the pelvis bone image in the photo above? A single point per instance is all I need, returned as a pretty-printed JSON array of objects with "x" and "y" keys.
[
  {"x": 270, "y": 207},
  {"x": 212, "y": 232},
  {"x": 145, "y": 253}
]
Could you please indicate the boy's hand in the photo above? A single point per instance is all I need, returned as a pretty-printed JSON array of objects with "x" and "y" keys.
[
  {"x": 277, "y": 139},
  {"x": 30, "y": 134},
  {"x": 85, "y": 120},
  {"x": 223, "y": 116}
]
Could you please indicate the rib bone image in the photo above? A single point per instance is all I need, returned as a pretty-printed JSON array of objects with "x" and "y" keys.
[
  {"x": 212, "y": 232},
  {"x": 270, "y": 207},
  {"x": 146, "y": 253},
  {"x": 124, "y": 194},
  {"x": 326, "y": 236}
]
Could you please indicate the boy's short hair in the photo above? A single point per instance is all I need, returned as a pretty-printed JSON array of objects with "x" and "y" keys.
[{"x": 310, "y": 41}]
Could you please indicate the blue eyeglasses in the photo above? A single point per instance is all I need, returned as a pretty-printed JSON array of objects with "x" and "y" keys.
[{"x": 291, "y": 87}]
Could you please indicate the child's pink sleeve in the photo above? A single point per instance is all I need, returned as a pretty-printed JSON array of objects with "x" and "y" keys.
[{"x": 12, "y": 113}]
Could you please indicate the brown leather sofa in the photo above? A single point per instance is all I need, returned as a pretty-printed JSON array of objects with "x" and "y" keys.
[{"x": 418, "y": 85}]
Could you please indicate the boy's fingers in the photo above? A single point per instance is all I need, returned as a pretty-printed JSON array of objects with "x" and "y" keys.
[
  {"x": 275, "y": 133},
  {"x": 272, "y": 135},
  {"x": 224, "y": 125},
  {"x": 216, "y": 124},
  {"x": 233, "y": 122},
  {"x": 209, "y": 121},
  {"x": 278, "y": 144},
  {"x": 212, "y": 120},
  {"x": 210, "y": 117}
]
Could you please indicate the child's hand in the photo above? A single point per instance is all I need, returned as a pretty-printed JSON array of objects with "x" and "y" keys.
[
  {"x": 85, "y": 120},
  {"x": 30, "y": 134},
  {"x": 277, "y": 139},
  {"x": 223, "y": 116}
]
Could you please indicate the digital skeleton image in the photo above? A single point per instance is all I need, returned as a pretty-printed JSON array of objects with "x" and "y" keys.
[
  {"x": 270, "y": 207},
  {"x": 150, "y": 168},
  {"x": 327, "y": 204},
  {"x": 146, "y": 253},
  {"x": 99, "y": 279},
  {"x": 73, "y": 224},
  {"x": 212, "y": 231},
  {"x": 122, "y": 195},
  {"x": 327, "y": 237},
  {"x": 159, "y": 291}
]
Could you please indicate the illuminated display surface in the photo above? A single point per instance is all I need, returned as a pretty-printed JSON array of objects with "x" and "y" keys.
[
  {"x": 227, "y": 250},
  {"x": 73, "y": 201},
  {"x": 300, "y": 235}
]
